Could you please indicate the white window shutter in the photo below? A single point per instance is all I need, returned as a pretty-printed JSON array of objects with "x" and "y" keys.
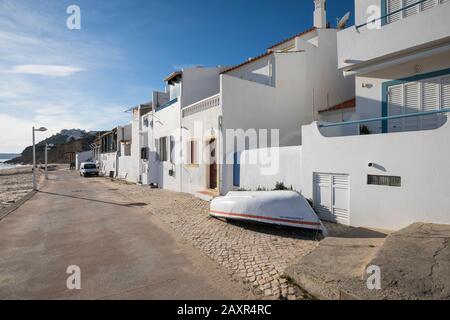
[
  {"x": 411, "y": 105},
  {"x": 395, "y": 107},
  {"x": 392, "y": 6},
  {"x": 428, "y": 4},
  {"x": 430, "y": 102},
  {"x": 445, "y": 93},
  {"x": 445, "y": 98},
  {"x": 412, "y": 10}
]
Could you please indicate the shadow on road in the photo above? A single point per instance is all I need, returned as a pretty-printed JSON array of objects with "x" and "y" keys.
[{"x": 128, "y": 205}]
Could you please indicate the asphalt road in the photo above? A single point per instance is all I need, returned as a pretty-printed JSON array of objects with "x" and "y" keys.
[{"x": 122, "y": 251}]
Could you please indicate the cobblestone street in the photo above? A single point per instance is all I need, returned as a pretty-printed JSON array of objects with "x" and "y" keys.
[{"x": 256, "y": 254}]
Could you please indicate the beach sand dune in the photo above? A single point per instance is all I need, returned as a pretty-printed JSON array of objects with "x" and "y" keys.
[{"x": 15, "y": 183}]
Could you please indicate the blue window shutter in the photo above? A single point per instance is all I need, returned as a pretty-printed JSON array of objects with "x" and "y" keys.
[{"x": 236, "y": 171}]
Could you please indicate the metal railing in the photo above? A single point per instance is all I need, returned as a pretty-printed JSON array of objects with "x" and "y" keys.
[
  {"x": 362, "y": 121},
  {"x": 167, "y": 104},
  {"x": 382, "y": 18}
]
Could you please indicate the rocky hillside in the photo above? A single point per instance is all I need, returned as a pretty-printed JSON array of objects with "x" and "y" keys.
[{"x": 67, "y": 141}]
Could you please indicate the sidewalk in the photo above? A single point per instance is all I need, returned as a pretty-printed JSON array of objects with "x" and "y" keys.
[
  {"x": 414, "y": 264},
  {"x": 255, "y": 254}
]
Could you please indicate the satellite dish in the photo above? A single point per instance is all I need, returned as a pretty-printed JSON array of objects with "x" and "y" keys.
[{"x": 342, "y": 23}]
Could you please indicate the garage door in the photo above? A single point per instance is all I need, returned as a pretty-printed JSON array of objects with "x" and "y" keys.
[{"x": 332, "y": 197}]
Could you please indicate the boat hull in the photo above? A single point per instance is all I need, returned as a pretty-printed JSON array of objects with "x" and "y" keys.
[{"x": 282, "y": 208}]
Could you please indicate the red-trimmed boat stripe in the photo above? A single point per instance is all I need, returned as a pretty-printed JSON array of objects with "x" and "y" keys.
[{"x": 266, "y": 218}]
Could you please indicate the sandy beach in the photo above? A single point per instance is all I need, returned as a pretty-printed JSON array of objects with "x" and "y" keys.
[{"x": 15, "y": 183}]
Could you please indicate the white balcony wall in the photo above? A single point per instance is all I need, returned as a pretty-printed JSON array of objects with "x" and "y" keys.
[
  {"x": 200, "y": 83},
  {"x": 261, "y": 71},
  {"x": 421, "y": 30},
  {"x": 369, "y": 86},
  {"x": 419, "y": 158}
]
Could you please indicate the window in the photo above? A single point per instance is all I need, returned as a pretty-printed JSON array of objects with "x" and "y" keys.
[
  {"x": 407, "y": 8},
  {"x": 144, "y": 153},
  {"x": 421, "y": 96},
  {"x": 192, "y": 152},
  {"x": 162, "y": 149},
  {"x": 390, "y": 181},
  {"x": 172, "y": 149},
  {"x": 126, "y": 149}
]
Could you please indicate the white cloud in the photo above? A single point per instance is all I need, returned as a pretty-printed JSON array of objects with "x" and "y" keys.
[
  {"x": 45, "y": 70},
  {"x": 38, "y": 54}
]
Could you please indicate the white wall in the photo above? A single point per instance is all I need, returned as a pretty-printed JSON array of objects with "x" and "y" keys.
[
  {"x": 423, "y": 29},
  {"x": 136, "y": 142},
  {"x": 167, "y": 123},
  {"x": 195, "y": 177},
  {"x": 419, "y": 158},
  {"x": 199, "y": 83},
  {"x": 260, "y": 71},
  {"x": 369, "y": 99},
  {"x": 81, "y": 157},
  {"x": 288, "y": 172},
  {"x": 125, "y": 168},
  {"x": 289, "y": 103},
  {"x": 108, "y": 163}
]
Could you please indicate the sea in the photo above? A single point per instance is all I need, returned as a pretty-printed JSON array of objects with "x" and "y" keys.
[{"x": 4, "y": 165}]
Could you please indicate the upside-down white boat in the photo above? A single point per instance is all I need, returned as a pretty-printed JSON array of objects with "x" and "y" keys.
[{"x": 283, "y": 208}]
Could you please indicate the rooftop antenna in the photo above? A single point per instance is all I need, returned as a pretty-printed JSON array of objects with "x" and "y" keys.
[{"x": 343, "y": 22}]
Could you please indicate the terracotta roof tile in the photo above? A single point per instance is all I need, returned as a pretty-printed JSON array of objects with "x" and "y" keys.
[
  {"x": 344, "y": 105},
  {"x": 293, "y": 37},
  {"x": 247, "y": 62},
  {"x": 269, "y": 52}
]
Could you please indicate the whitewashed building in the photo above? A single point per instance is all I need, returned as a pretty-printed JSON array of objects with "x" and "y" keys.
[
  {"x": 394, "y": 170},
  {"x": 184, "y": 87},
  {"x": 115, "y": 153},
  {"x": 282, "y": 89}
]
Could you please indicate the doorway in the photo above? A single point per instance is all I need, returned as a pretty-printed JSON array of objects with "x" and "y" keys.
[{"x": 212, "y": 168}]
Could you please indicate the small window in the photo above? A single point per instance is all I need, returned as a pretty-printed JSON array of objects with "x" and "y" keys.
[
  {"x": 390, "y": 181},
  {"x": 172, "y": 147},
  {"x": 144, "y": 153},
  {"x": 127, "y": 149},
  {"x": 192, "y": 152},
  {"x": 163, "y": 149}
]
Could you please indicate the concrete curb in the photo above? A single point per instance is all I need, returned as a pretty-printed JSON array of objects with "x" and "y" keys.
[
  {"x": 318, "y": 288},
  {"x": 8, "y": 210}
]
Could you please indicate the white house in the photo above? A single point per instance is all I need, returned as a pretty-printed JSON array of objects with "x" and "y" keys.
[
  {"x": 394, "y": 170},
  {"x": 138, "y": 166},
  {"x": 115, "y": 152},
  {"x": 281, "y": 89},
  {"x": 184, "y": 88}
]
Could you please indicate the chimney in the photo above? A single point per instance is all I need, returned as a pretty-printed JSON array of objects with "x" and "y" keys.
[{"x": 320, "y": 13}]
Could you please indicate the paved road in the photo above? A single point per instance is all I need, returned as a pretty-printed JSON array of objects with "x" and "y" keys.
[{"x": 123, "y": 252}]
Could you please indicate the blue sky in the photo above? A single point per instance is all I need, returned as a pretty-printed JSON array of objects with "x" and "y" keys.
[{"x": 62, "y": 79}]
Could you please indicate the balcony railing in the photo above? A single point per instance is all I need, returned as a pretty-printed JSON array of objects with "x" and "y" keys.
[
  {"x": 384, "y": 120},
  {"x": 202, "y": 105},
  {"x": 167, "y": 104},
  {"x": 385, "y": 18}
]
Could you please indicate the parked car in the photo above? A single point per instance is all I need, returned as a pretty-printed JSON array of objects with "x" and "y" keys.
[{"x": 88, "y": 169}]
